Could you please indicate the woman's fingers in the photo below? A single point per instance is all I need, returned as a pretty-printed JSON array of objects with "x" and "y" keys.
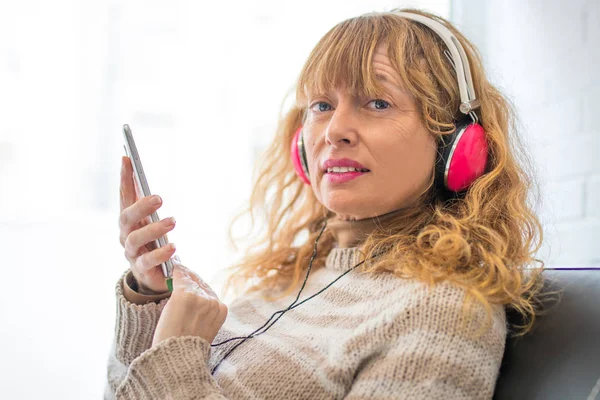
[
  {"x": 133, "y": 208},
  {"x": 139, "y": 211},
  {"x": 138, "y": 234},
  {"x": 127, "y": 190},
  {"x": 149, "y": 260},
  {"x": 185, "y": 282},
  {"x": 191, "y": 311},
  {"x": 189, "y": 278},
  {"x": 182, "y": 278},
  {"x": 144, "y": 235}
]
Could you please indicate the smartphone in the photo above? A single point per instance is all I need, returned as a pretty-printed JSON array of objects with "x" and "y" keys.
[{"x": 144, "y": 190}]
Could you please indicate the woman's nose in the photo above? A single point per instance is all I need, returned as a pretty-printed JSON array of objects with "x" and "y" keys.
[{"x": 342, "y": 128}]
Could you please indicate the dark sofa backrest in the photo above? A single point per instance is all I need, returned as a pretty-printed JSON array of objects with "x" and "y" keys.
[{"x": 560, "y": 359}]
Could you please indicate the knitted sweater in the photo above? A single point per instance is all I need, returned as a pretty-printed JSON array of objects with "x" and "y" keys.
[{"x": 368, "y": 336}]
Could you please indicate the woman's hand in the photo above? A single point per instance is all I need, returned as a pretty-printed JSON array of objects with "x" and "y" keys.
[
  {"x": 192, "y": 310},
  {"x": 138, "y": 232}
]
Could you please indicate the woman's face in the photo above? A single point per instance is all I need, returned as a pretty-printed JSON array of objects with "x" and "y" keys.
[{"x": 383, "y": 134}]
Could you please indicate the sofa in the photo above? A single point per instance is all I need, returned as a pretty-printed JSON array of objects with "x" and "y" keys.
[{"x": 560, "y": 358}]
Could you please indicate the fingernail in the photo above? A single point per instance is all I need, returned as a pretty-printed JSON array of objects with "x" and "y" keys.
[{"x": 155, "y": 199}]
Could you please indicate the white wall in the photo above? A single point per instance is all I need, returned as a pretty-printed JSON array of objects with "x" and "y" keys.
[{"x": 546, "y": 56}]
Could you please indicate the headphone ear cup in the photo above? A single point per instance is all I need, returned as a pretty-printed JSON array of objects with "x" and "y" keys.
[
  {"x": 299, "y": 156},
  {"x": 462, "y": 157}
]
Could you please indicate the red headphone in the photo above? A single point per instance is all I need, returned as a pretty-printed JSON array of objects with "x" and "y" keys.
[{"x": 462, "y": 155}]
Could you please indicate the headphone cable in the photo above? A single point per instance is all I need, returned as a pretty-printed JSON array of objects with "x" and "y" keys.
[{"x": 290, "y": 307}]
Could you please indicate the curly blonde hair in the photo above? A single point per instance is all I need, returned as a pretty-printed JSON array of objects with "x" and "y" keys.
[{"x": 483, "y": 241}]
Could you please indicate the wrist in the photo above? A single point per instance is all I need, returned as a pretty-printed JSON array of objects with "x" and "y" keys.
[
  {"x": 132, "y": 293},
  {"x": 140, "y": 287}
]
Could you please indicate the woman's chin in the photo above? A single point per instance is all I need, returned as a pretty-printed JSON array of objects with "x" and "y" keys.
[{"x": 348, "y": 207}]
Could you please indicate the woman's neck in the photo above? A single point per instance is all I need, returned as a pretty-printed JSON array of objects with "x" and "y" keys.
[{"x": 350, "y": 233}]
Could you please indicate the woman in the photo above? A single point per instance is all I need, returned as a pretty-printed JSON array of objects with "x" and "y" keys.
[{"x": 386, "y": 281}]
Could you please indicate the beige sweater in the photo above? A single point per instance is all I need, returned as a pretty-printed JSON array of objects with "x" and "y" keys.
[{"x": 366, "y": 337}]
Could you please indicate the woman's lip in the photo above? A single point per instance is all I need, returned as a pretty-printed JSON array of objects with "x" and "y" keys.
[
  {"x": 341, "y": 177},
  {"x": 342, "y": 162}
]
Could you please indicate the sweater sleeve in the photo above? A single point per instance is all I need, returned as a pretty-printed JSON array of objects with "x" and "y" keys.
[
  {"x": 429, "y": 357},
  {"x": 176, "y": 368},
  {"x": 134, "y": 330}
]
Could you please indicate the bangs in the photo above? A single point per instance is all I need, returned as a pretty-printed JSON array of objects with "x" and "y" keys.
[{"x": 343, "y": 59}]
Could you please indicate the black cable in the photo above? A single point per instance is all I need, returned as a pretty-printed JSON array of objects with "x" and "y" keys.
[{"x": 290, "y": 307}]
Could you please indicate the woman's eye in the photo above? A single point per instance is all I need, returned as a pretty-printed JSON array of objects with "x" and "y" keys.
[
  {"x": 380, "y": 104},
  {"x": 321, "y": 106}
]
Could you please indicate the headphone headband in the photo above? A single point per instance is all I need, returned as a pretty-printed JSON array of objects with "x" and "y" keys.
[{"x": 458, "y": 58}]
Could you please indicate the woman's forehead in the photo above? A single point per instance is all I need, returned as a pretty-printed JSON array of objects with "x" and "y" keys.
[{"x": 384, "y": 81}]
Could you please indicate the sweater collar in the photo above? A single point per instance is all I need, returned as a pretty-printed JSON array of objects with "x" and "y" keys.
[{"x": 342, "y": 259}]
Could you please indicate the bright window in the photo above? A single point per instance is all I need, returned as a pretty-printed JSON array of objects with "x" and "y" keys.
[{"x": 201, "y": 87}]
